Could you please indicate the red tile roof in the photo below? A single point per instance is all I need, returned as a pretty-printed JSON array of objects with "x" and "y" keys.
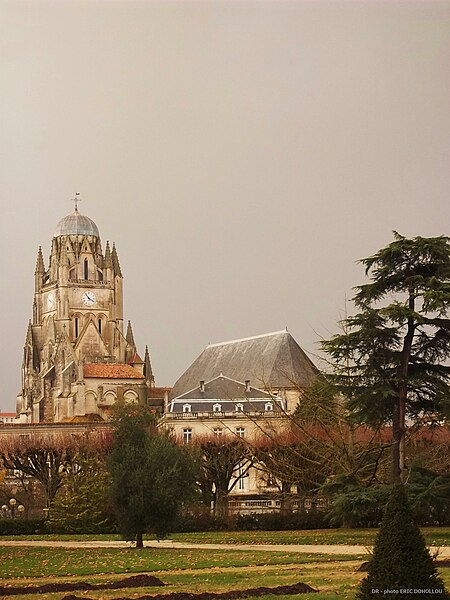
[
  {"x": 111, "y": 371},
  {"x": 136, "y": 359}
]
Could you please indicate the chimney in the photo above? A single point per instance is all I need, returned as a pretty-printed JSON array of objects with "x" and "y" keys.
[
  {"x": 247, "y": 386},
  {"x": 202, "y": 386}
]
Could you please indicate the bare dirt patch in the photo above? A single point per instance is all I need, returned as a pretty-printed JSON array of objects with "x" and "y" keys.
[
  {"x": 296, "y": 588},
  {"x": 133, "y": 581}
]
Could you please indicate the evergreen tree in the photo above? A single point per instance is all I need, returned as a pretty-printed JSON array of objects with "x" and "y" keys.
[
  {"x": 400, "y": 559},
  {"x": 81, "y": 504},
  {"x": 151, "y": 476},
  {"x": 391, "y": 361}
]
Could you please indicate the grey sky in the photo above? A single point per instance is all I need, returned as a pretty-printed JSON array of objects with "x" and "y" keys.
[{"x": 242, "y": 155}]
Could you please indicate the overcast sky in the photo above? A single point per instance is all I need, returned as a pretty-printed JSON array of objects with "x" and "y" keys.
[{"x": 242, "y": 155}]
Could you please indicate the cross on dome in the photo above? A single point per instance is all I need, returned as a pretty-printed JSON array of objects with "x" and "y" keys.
[{"x": 76, "y": 200}]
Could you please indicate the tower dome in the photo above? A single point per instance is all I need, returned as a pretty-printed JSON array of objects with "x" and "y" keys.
[{"x": 76, "y": 224}]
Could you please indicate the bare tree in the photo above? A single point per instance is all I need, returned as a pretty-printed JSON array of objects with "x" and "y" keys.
[
  {"x": 46, "y": 457},
  {"x": 224, "y": 459}
]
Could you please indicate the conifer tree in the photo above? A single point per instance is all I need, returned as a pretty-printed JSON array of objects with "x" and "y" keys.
[
  {"x": 151, "y": 475},
  {"x": 400, "y": 559},
  {"x": 391, "y": 361}
]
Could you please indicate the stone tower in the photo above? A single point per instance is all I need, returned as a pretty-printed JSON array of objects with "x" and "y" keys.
[{"x": 77, "y": 361}]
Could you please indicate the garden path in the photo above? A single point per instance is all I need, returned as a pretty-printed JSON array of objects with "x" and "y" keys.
[{"x": 444, "y": 551}]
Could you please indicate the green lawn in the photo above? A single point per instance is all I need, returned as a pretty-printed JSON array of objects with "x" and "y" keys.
[
  {"x": 437, "y": 536},
  {"x": 46, "y": 562},
  {"x": 183, "y": 570}
]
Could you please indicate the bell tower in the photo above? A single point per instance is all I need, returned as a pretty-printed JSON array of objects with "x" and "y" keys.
[{"x": 77, "y": 322}]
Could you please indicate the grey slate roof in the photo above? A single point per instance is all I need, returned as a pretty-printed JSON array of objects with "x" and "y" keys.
[
  {"x": 76, "y": 224},
  {"x": 226, "y": 392},
  {"x": 273, "y": 360}
]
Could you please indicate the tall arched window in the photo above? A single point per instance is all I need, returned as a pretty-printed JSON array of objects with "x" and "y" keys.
[
  {"x": 76, "y": 327},
  {"x": 100, "y": 326},
  {"x": 86, "y": 269}
]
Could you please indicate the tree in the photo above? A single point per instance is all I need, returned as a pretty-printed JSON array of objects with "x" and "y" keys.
[
  {"x": 151, "y": 475},
  {"x": 47, "y": 457},
  {"x": 320, "y": 450},
  {"x": 224, "y": 459},
  {"x": 390, "y": 360},
  {"x": 400, "y": 558},
  {"x": 81, "y": 503}
]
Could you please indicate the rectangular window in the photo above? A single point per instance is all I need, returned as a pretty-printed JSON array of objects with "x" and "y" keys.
[
  {"x": 217, "y": 431},
  {"x": 187, "y": 435},
  {"x": 241, "y": 480},
  {"x": 240, "y": 431}
]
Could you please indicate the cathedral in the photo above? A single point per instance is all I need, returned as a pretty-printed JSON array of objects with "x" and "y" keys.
[{"x": 77, "y": 359}]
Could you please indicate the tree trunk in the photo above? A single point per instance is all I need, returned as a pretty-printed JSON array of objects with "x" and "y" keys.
[
  {"x": 221, "y": 504},
  {"x": 396, "y": 442},
  {"x": 139, "y": 540}
]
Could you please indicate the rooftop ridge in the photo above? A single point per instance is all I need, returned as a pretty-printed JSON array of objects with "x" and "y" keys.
[{"x": 246, "y": 339}]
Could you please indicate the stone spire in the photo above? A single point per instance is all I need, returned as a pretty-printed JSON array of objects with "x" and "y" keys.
[
  {"x": 130, "y": 337},
  {"x": 108, "y": 260},
  {"x": 115, "y": 262},
  {"x": 39, "y": 271},
  {"x": 40, "y": 268},
  {"x": 148, "y": 372}
]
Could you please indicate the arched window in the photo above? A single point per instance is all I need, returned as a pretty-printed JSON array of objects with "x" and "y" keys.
[
  {"x": 187, "y": 408},
  {"x": 217, "y": 408},
  {"x": 86, "y": 268},
  {"x": 100, "y": 326},
  {"x": 268, "y": 406},
  {"x": 76, "y": 327},
  {"x": 130, "y": 396},
  {"x": 239, "y": 407}
]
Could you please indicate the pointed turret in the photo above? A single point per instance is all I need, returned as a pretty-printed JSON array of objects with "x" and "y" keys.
[
  {"x": 130, "y": 337},
  {"x": 40, "y": 268},
  {"x": 148, "y": 371},
  {"x": 39, "y": 271},
  {"x": 107, "y": 264},
  {"x": 115, "y": 262},
  {"x": 108, "y": 261}
]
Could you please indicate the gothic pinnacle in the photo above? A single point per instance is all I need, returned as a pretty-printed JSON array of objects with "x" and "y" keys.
[
  {"x": 40, "y": 268},
  {"x": 115, "y": 261},
  {"x": 130, "y": 336}
]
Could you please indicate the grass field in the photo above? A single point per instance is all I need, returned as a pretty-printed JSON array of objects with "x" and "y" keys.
[
  {"x": 437, "y": 536},
  {"x": 183, "y": 570}
]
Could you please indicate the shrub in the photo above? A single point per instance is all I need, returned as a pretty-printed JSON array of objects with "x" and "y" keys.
[
  {"x": 282, "y": 521},
  {"x": 22, "y": 526},
  {"x": 358, "y": 507},
  {"x": 400, "y": 559}
]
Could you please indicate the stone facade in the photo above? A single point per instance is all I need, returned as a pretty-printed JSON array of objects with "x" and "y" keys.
[{"x": 77, "y": 360}]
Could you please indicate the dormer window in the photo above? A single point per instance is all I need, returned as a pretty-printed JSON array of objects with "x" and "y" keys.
[
  {"x": 268, "y": 406},
  {"x": 217, "y": 408},
  {"x": 239, "y": 407},
  {"x": 187, "y": 408}
]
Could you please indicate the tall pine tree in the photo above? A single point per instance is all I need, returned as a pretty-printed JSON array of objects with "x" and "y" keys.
[{"x": 391, "y": 361}]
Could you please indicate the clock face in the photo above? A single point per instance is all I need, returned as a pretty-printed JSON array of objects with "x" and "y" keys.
[
  {"x": 88, "y": 298},
  {"x": 50, "y": 301}
]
